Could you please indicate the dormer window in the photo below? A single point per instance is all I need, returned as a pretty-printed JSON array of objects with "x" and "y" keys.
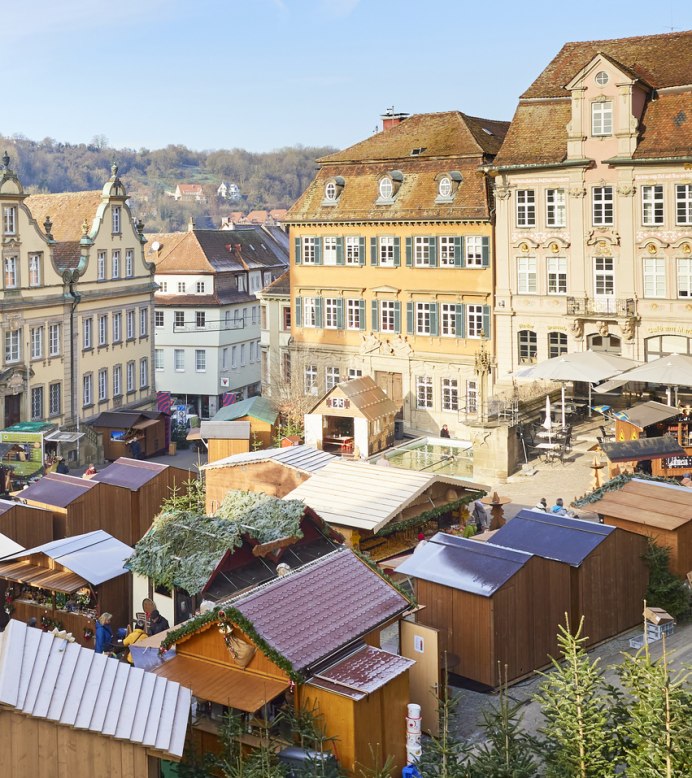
[
  {"x": 388, "y": 187},
  {"x": 447, "y": 185},
  {"x": 332, "y": 190},
  {"x": 602, "y": 118},
  {"x": 444, "y": 188},
  {"x": 601, "y": 78}
]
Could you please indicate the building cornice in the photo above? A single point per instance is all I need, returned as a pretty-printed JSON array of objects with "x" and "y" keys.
[
  {"x": 585, "y": 163},
  {"x": 626, "y": 161}
]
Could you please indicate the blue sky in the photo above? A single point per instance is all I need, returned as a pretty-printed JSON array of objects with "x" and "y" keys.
[{"x": 262, "y": 74}]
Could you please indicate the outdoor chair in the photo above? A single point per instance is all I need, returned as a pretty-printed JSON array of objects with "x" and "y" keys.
[
  {"x": 557, "y": 455},
  {"x": 605, "y": 433}
]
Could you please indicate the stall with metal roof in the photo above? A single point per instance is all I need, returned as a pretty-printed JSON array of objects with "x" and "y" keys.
[
  {"x": 24, "y": 524},
  {"x": 262, "y": 414}
]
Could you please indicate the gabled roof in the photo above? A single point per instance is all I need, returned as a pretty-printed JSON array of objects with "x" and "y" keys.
[
  {"x": 551, "y": 536},
  {"x": 358, "y": 494},
  {"x": 124, "y": 419},
  {"x": 58, "y": 489},
  {"x": 224, "y": 430},
  {"x": 467, "y": 565},
  {"x": 191, "y": 188},
  {"x": 130, "y": 473},
  {"x": 366, "y": 396},
  {"x": 260, "y": 408},
  {"x": 67, "y": 211},
  {"x": 306, "y": 459},
  {"x": 45, "y": 677},
  {"x": 309, "y": 615}
]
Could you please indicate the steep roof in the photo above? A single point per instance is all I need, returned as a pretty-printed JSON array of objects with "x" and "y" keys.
[
  {"x": 260, "y": 408},
  {"x": 43, "y": 676},
  {"x": 67, "y": 211},
  {"x": 281, "y": 286},
  {"x": 366, "y": 396},
  {"x": 306, "y": 459}
]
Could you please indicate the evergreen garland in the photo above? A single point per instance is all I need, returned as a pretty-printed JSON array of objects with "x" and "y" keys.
[
  {"x": 408, "y": 596},
  {"x": 423, "y": 518},
  {"x": 617, "y": 483}
]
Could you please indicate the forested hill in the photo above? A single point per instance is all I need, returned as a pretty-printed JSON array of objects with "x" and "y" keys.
[{"x": 266, "y": 180}]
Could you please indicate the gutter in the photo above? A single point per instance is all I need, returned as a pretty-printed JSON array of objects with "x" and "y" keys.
[
  {"x": 538, "y": 165},
  {"x": 615, "y": 161}
]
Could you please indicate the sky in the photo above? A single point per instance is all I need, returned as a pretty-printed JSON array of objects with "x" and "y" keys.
[{"x": 264, "y": 74}]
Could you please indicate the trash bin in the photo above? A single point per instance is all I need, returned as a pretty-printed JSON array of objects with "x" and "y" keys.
[
  {"x": 172, "y": 448},
  {"x": 398, "y": 429}
]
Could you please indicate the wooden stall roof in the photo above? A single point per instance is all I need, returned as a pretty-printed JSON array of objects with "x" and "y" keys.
[
  {"x": 551, "y": 536},
  {"x": 361, "y": 673},
  {"x": 225, "y": 430},
  {"x": 648, "y": 413},
  {"x": 126, "y": 419},
  {"x": 306, "y": 459},
  {"x": 58, "y": 489},
  {"x": 358, "y": 494},
  {"x": 225, "y": 685},
  {"x": 45, "y": 677},
  {"x": 651, "y": 503},
  {"x": 323, "y": 607},
  {"x": 95, "y": 556},
  {"x": 260, "y": 408},
  {"x": 366, "y": 397},
  {"x": 460, "y": 563},
  {"x": 642, "y": 448},
  {"x": 131, "y": 474}
]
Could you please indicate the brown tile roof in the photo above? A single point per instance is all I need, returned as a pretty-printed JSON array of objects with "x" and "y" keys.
[
  {"x": 190, "y": 188},
  {"x": 66, "y": 255},
  {"x": 660, "y": 60},
  {"x": 451, "y": 133},
  {"x": 309, "y": 615},
  {"x": 67, "y": 212},
  {"x": 538, "y": 134},
  {"x": 666, "y": 127}
]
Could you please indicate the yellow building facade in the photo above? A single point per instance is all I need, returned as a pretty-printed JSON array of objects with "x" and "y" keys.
[
  {"x": 391, "y": 270},
  {"x": 76, "y": 307}
]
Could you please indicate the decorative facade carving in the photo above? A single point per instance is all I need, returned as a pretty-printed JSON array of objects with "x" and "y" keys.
[
  {"x": 577, "y": 329},
  {"x": 369, "y": 343},
  {"x": 626, "y": 190},
  {"x": 502, "y": 192},
  {"x": 628, "y": 328},
  {"x": 577, "y": 192},
  {"x": 602, "y": 327}
]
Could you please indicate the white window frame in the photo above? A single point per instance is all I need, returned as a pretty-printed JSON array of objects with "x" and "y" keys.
[
  {"x": 474, "y": 250},
  {"x": 526, "y": 208},
  {"x": 652, "y": 205},
  {"x": 101, "y": 258},
  {"x": 117, "y": 327},
  {"x": 310, "y": 312},
  {"x": 354, "y": 372},
  {"x": 182, "y": 287},
  {"x": 130, "y": 374},
  {"x": 55, "y": 399},
  {"x": 556, "y": 268},
  {"x": 116, "y": 219},
  {"x": 310, "y": 379},
  {"x": 9, "y": 220},
  {"x": 129, "y": 263},
  {"x": 387, "y": 321},
  {"x": 448, "y": 320},
  {"x": 87, "y": 340},
  {"x": 474, "y": 322},
  {"x": 329, "y": 250},
  {"x": 13, "y": 346},
  {"x": 103, "y": 384},
  {"x": 353, "y": 314},
  {"x": 200, "y": 320},
  {"x": 447, "y": 250},
  {"x": 683, "y": 204},
  {"x": 129, "y": 325},
  {"x": 557, "y": 349},
  {"x": 115, "y": 263},
  {"x": 117, "y": 380},
  {"x": 37, "y": 403},
  {"x": 423, "y": 318},
  {"x": 103, "y": 329},
  {"x": 158, "y": 318},
  {"x": 179, "y": 360},
  {"x": 234, "y": 357},
  {"x": 309, "y": 250},
  {"x": 450, "y": 394},
  {"x": 654, "y": 277},
  {"x": 158, "y": 359},
  {"x": 421, "y": 251},
  {"x": 472, "y": 396},
  {"x": 36, "y": 338},
  {"x": 87, "y": 389},
  {"x": 527, "y": 275},
  {"x": 602, "y": 118},
  {"x": 604, "y": 278},
  {"x": 201, "y": 287},
  {"x": 424, "y": 392},
  {"x": 11, "y": 272},
  {"x": 529, "y": 346},
  {"x": 603, "y": 206},
  {"x": 200, "y": 360},
  {"x": 385, "y": 251},
  {"x": 178, "y": 319},
  {"x": 331, "y": 377},
  {"x": 331, "y": 307},
  {"x": 555, "y": 208},
  {"x": 35, "y": 278},
  {"x": 684, "y": 277},
  {"x": 352, "y": 250},
  {"x": 53, "y": 340},
  {"x": 143, "y": 373}
]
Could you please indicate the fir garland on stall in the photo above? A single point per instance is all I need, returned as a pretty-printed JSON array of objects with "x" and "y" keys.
[
  {"x": 617, "y": 483},
  {"x": 425, "y": 517},
  {"x": 408, "y": 596}
]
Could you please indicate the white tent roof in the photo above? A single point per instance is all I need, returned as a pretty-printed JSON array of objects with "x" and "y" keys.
[
  {"x": 8, "y": 546},
  {"x": 673, "y": 370},
  {"x": 590, "y": 366},
  {"x": 361, "y": 495},
  {"x": 45, "y": 677}
]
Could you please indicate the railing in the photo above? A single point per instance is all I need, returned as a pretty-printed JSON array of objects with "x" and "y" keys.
[
  {"x": 210, "y": 326},
  {"x": 601, "y": 306}
]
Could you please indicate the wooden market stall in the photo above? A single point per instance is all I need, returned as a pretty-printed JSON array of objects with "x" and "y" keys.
[
  {"x": 225, "y": 438},
  {"x": 274, "y": 471},
  {"x": 354, "y": 417},
  {"x": 135, "y": 491},
  {"x": 64, "y": 712},
  {"x": 25, "y": 524},
  {"x": 608, "y": 575},
  {"x": 658, "y": 510},
  {"x": 23, "y": 448},
  {"x": 262, "y": 415},
  {"x": 381, "y": 511},
  {"x": 493, "y": 606},
  {"x": 642, "y": 454},
  {"x": 68, "y": 583},
  {"x": 306, "y": 641},
  {"x": 139, "y": 434}
]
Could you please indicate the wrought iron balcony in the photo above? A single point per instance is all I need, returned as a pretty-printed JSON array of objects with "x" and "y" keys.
[{"x": 611, "y": 307}]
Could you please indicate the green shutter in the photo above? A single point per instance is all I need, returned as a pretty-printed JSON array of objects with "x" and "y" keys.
[
  {"x": 462, "y": 253},
  {"x": 361, "y": 314},
  {"x": 298, "y": 257},
  {"x": 433, "y": 319},
  {"x": 486, "y": 322},
  {"x": 318, "y": 251},
  {"x": 397, "y": 317},
  {"x": 373, "y": 251},
  {"x": 318, "y": 311},
  {"x": 340, "y": 251},
  {"x": 375, "y": 316},
  {"x": 397, "y": 252},
  {"x": 340, "y": 313},
  {"x": 458, "y": 251},
  {"x": 485, "y": 251},
  {"x": 409, "y": 252},
  {"x": 432, "y": 249},
  {"x": 459, "y": 322},
  {"x": 299, "y": 309},
  {"x": 361, "y": 251},
  {"x": 410, "y": 328}
]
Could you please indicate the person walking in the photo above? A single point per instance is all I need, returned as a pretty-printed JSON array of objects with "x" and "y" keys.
[
  {"x": 136, "y": 634},
  {"x": 62, "y": 467},
  {"x": 104, "y": 633}
]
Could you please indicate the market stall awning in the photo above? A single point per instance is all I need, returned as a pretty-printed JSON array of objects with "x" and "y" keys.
[
  {"x": 643, "y": 448},
  {"x": 225, "y": 685},
  {"x": 63, "y": 437},
  {"x": 42, "y": 577}
]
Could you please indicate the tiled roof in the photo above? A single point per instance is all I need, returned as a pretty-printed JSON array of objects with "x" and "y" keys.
[
  {"x": 666, "y": 127},
  {"x": 66, "y": 255},
  {"x": 42, "y": 676},
  {"x": 660, "y": 60},
  {"x": 309, "y": 615},
  {"x": 370, "y": 399},
  {"x": 190, "y": 188},
  {"x": 67, "y": 212},
  {"x": 538, "y": 134}
]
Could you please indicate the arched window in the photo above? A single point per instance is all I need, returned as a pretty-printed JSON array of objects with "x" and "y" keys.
[
  {"x": 608, "y": 343},
  {"x": 528, "y": 346}
]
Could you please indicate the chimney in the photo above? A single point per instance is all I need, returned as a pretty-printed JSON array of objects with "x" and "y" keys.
[{"x": 391, "y": 119}]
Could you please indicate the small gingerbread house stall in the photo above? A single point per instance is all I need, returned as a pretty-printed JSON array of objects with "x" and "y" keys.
[
  {"x": 274, "y": 471},
  {"x": 139, "y": 434},
  {"x": 311, "y": 640},
  {"x": 608, "y": 575},
  {"x": 67, "y": 712},
  {"x": 381, "y": 511},
  {"x": 262, "y": 415},
  {"x": 135, "y": 490},
  {"x": 225, "y": 438},
  {"x": 493, "y": 606},
  {"x": 354, "y": 417},
  {"x": 658, "y": 510},
  {"x": 24, "y": 524},
  {"x": 68, "y": 583},
  {"x": 643, "y": 454}
]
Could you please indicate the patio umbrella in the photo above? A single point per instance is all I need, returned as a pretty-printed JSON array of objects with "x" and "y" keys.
[
  {"x": 671, "y": 371},
  {"x": 548, "y": 421},
  {"x": 589, "y": 366}
]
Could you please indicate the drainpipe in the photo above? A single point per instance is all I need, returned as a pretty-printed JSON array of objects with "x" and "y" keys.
[{"x": 76, "y": 298}]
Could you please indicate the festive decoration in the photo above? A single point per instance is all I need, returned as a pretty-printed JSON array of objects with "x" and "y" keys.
[
  {"x": 9, "y": 600},
  {"x": 617, "y": 483},
  {"x": 377, "y": 569},
  {"x": 88, "y": 633},
  {"x": 424, "y": 518}
]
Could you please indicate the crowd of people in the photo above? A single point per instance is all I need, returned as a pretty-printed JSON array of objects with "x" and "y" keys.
[{"x": 558, "y": 508}]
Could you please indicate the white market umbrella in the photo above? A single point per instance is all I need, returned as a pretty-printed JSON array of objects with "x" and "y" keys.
[
  {"x": 589, "y": 366},
  {"x": 673, "y": 370},
  {"x": 548, "y": 421}
]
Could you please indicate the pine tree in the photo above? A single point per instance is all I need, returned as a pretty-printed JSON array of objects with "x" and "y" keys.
[
  {"x": 577, "y": 742},
  {"x": 665, "y": 589},
  {"x": 658, "y": 725},
  {"x": 445, "y": 756}
]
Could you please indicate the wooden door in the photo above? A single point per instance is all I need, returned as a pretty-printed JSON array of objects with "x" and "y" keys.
[
  {"x": 12, "y": 409},
  {"x": 391, "y": 384},
  {"x": 420, "y": 643}
]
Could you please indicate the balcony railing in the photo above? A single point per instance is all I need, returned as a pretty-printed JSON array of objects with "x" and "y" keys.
[
  {"x": 601, "y": 306},
  {"x": 210, "y": 326}
]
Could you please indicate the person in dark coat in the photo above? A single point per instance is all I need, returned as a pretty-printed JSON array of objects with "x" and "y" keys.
[
  {"x": 444, "y": 432},
  {"x": 157, "y": 623},
  {"x": 62, "y": 467},
  {"x": 104, "y": 633}
]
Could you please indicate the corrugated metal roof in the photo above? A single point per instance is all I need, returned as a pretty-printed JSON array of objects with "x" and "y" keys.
[
  {"x": 358, "y": 494},
  {"x": 58, "y": 489},
  {"x": 551, "y": 536},
  {"x": 304, "y": 458},
  {"x": 467, "y": 565},
  {"x": 95, "y": 556},
  {"x": 259, "y": 408},
  {"x": 642, "y": 448},
  {"x": 45, "y": 677},
  {"x": 129, "y": 473},
  {"x": 225, "y": 430}
]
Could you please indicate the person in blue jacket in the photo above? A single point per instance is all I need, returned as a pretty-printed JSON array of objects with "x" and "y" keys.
[{"x": 104, "y": 633}]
